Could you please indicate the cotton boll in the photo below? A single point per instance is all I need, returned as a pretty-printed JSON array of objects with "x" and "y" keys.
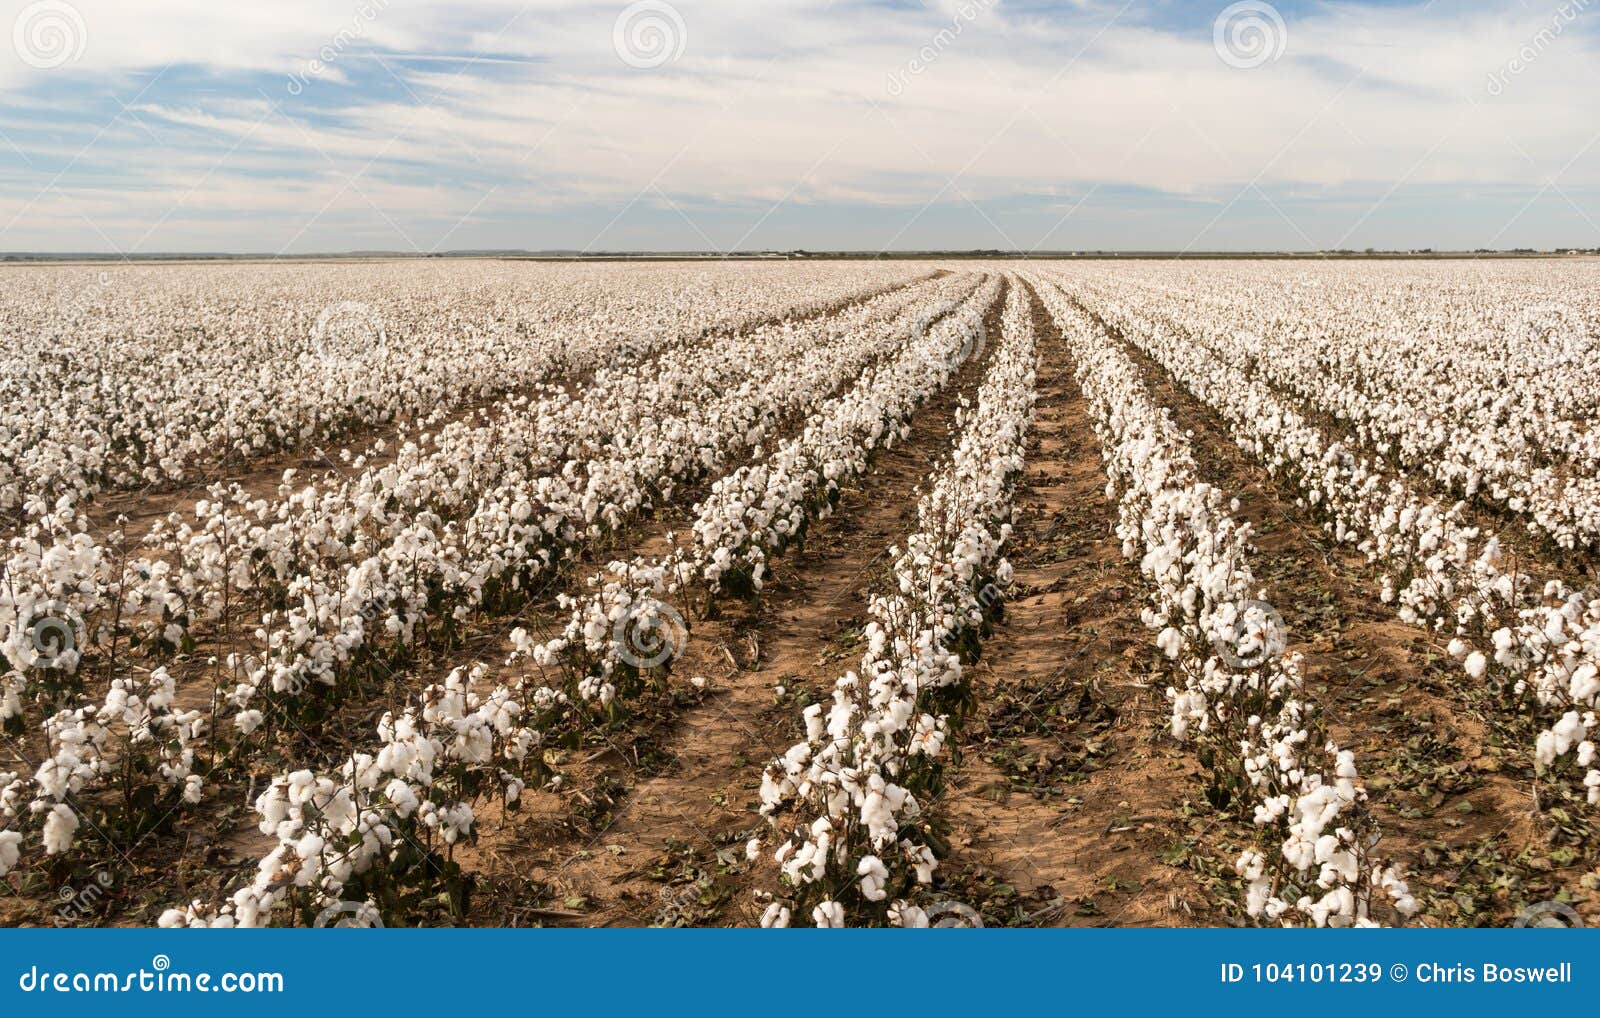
[
  {"x": 60, "y": 825},
  {"x": 828, "y": 916},
  {"x": 10, "y": 850}
]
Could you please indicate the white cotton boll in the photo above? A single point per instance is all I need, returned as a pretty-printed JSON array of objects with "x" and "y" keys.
[
  {"x": 10, "y": 850},
  {"x": 775, "y": 917},
  {"x": 402, "y": 797},
  {"x": 1477, "y": 665},
  {"x": 828, "y": 916},
  {"x": 1257, "y": 895},
  {"x": 813, "y": 720},
  {"x": 60, "y": 824},
  {"x": 1171, "y": 642},
  {"x": 873, "y": 878}
]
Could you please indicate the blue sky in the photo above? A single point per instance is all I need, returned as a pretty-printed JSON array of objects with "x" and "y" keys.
[{"x": 304, "y": 126}]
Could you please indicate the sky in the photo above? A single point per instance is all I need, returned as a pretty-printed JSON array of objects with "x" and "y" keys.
[{"x": 138, "y": 127}]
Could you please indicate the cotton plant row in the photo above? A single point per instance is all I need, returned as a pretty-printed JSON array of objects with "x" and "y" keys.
[
  {"x": 758, "y": 510},
  {"x": 431, "y": 569},
  {"x": 1236, "y": 696},
  {"x": 1537, "y": 640},
  {"x": 115, "y": 747},
  {"x": 619, "y": 637},
  {"x": 593, "y": 463},
  {"x": 1457, "y": 339},
  {"x": 1456, "y": 400},
  {"x": 383, "y": 829},
  {"x": 753, "y": 514},
  {"x": 315, "y": 535},
  {"x": 847, "y": 803},
  {"x": 148, "y": 375}
]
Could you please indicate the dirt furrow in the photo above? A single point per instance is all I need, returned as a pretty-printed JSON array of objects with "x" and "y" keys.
[{"x": 1068, "y": 795}]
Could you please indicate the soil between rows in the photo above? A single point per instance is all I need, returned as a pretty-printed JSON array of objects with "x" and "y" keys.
[{"x": 1069, "y": 794}]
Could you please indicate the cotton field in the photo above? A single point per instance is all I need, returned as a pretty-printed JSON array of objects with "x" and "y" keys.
[{"x": 800, "y": 593}]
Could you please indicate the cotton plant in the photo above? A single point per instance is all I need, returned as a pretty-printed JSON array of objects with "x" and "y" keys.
[
  {"x": 384, "y": 827},
  {"x": 854, "y": 845}
]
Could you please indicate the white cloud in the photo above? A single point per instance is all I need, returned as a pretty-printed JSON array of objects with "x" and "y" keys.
[{"x": 788, "y": 100}]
